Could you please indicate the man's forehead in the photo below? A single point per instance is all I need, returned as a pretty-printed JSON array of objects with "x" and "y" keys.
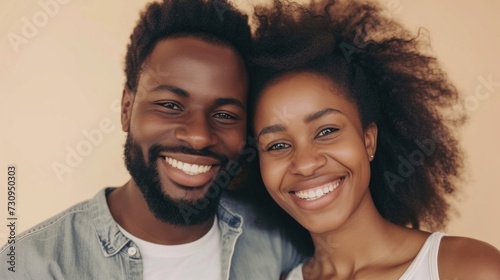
[
  {"x": 190, "y": 48},
  {"x": 194, "y": 66},
  {"x": 188, "y": 56}
]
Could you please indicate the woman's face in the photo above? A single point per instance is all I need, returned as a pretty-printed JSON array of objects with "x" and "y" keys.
[{"x": 314, "y": 154}]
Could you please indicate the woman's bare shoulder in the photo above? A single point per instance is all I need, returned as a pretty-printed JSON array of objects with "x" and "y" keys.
[{"x": 467, "y": 258}]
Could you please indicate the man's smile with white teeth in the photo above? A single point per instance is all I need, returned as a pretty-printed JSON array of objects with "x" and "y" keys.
[
  {"x": 315, "y": 193},
  {"x": 190, "y": 169}
]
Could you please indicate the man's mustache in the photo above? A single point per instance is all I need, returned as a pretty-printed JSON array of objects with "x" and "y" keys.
[{"x": 156, "y": 150}]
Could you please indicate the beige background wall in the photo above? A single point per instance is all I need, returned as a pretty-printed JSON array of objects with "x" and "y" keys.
[{"x": 62, "y": 79}]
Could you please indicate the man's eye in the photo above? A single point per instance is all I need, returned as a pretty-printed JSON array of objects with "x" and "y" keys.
[
  {"x": 171, "y": 105},
  {"x": 224, "y": 116},
  {"x": 278, "y": 146},
  {"x": 326, "y": 131}
]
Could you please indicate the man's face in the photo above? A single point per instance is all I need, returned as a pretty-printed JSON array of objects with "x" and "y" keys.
[{"x": 184, "y": 123}]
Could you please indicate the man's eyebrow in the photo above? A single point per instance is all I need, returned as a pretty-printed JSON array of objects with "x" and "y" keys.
[
  {"x": 271, "y": 129},
  {"x": 229, "y": 101},
  {"x": 172, "y": 89},
  {"x": 184, "y": 93},
  {"x": 314, "y": 116}
]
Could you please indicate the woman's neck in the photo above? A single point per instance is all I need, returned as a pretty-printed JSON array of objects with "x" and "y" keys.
[{"x": 365, "y": 239}]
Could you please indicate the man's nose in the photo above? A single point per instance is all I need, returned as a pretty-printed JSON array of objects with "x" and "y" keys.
[{"x": 197, "y": 132}]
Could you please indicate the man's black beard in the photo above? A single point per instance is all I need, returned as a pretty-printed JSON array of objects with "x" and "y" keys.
[{"x": 180, "y": 212}]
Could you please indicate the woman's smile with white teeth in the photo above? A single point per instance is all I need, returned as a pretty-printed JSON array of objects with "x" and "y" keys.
[{"x": 315, "y": 193}]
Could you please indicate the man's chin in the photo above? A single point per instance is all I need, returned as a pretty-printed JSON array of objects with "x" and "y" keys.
[
  {"x": 187, "y": 209},
  {"x": 178, "y": 192},
  {"x": 186, "y": 194}
]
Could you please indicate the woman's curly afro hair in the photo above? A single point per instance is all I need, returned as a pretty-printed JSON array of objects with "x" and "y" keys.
[{"x": 394, "y": 82}]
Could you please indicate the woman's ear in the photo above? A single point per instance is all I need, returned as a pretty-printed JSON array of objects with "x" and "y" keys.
[
  {"x": 370, "y": 134},
  {"x": 126, "y": 111}
]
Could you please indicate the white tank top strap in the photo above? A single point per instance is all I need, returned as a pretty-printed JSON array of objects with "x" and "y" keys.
[
  {"x": 425, "y": 264},
  {"x": 295, "y": 273}
]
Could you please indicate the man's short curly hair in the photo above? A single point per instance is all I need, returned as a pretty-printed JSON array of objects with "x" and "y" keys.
[
  {"x": 386, "y": 72},
  {"x": 215, "y": 21}
]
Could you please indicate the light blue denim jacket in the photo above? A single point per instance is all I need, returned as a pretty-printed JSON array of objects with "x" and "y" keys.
[{"x": 84, "y": 242}]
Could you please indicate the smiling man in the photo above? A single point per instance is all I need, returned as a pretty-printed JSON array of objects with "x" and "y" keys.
[
  {"x": 183, "y": 128},
  {"x": 184, "y": 112}
]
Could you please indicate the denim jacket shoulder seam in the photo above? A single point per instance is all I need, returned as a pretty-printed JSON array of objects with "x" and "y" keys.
[{"x": 45, "y": 225}]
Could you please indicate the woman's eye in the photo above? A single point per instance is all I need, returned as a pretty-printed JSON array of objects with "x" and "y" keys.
[
  {"x": 278, "y": 146},
  {"x": 326, "y": 131},
  {"x": 171, "y": 105}
]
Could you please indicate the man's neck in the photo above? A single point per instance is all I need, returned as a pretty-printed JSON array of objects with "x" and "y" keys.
[{"x": 130, "y": 211}]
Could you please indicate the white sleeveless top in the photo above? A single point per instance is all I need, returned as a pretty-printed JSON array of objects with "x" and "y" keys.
[{"x": 424, "y": 266}]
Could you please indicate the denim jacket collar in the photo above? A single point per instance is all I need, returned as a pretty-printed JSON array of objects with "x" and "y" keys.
[
  {"x": 112, "y": 240},
  {"x": 109, "y": 235}
]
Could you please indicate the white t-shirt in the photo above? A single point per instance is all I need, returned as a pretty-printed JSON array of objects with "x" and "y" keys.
[{"x": 200, "y": 259}]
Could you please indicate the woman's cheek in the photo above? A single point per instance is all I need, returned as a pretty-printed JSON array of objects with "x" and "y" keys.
[{"x": 270, "y": 173}]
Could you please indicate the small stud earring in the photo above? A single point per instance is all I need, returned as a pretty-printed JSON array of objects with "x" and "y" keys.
[{"x": 371, "y": 157}]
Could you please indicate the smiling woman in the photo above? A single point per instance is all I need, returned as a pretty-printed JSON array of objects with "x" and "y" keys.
[
  {"x": 352, "y": 110},
  {"x": 324, "y": 150}
]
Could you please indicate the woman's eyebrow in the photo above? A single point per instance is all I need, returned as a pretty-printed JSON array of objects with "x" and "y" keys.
[
  {"x": 271, "y": 129},
  {"x": 307, "y": 119},
  {"x": 314, "y": 116}
]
